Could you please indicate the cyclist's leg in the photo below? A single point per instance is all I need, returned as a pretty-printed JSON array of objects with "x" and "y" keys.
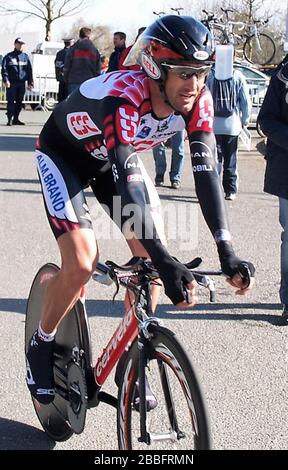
[
  {"x": 69, "y": 218},
  {"x": 70, "y": 221},
  {"x": 78, "y": 251}
]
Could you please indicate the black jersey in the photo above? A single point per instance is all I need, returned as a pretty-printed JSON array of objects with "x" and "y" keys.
[{"x": 109, "y": 119}]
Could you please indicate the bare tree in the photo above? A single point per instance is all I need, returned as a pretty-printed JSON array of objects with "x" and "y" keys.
[{"x": 46, "y": 10}]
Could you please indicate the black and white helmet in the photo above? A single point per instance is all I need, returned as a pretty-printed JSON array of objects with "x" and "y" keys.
[{"x": 171, "y": 39}]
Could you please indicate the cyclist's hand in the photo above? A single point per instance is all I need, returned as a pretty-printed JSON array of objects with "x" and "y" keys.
[
  {"x": 176, "y": 277},
  {"x": 243, "y": 280},
  {"x": 240, "y": 274},
  {"x": 190, "y": 295}
]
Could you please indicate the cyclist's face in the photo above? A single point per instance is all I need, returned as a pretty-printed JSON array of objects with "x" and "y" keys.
[{"x": 182, "y": 88}]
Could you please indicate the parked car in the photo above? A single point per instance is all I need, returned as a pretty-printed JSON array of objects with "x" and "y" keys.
[{"x": 257, "y": 83}]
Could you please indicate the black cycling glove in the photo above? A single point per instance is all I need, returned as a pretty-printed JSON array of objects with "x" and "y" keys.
[
  {"x": 174, "y": 276},
  {"x": 231, "y": 264}
]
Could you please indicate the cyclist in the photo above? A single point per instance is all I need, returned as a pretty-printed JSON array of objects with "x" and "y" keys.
[{"x": 92, "y": 138}]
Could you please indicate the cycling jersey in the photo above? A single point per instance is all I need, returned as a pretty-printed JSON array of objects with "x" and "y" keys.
[{"x": 94, "y": 136}]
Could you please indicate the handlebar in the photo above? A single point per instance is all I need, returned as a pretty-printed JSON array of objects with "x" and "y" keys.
[{"x": 110, "y": 272}]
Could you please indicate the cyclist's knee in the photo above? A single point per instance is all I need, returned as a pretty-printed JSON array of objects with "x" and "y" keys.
[{"x": 79, "y": 270}]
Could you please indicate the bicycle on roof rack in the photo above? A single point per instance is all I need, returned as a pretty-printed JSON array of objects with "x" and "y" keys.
[
  {"x": 257, "y": 47},
  {"x": 146, "y": 351}
]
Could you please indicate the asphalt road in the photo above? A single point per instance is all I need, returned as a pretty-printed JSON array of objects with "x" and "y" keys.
[{"x": 238, "y": 344}]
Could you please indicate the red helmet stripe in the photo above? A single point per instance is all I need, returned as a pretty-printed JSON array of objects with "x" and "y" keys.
[{"x": 158, "y": 51}]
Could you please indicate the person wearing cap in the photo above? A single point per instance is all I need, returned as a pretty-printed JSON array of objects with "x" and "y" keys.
[
  {"x": 16, "y": 71},
  {"x": 59, "y": 66}
]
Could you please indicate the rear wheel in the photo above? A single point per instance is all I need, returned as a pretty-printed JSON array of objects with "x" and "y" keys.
[
  {"x": 71, "y": 338},
  {"x": 179, "y": 420},
  {"x": 219, "y": 35},
  {"x": 259, "y": 50}
]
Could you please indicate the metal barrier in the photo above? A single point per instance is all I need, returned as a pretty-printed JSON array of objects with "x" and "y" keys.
[{"x": 43, "y": 95}]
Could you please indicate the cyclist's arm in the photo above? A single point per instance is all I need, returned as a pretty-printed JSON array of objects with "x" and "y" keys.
[
  {"x": 207, "y": 184},
  {"x": 119, "y": 132},
  {"x": 129, "y": 178},
  {"x": 204, "y": 165}
]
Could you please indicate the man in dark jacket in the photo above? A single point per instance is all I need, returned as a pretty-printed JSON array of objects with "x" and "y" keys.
[
  {"x": 16, "y": 70},
  {"x": 273, "y": 119},
  {"x": 82, "y": 61},
  {"x": 59, "y": 66},
  {"x": 119, "y": 39}
]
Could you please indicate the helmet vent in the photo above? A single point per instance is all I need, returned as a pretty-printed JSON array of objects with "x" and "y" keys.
[
  {"x": 185, "y": 45},
  {"x": 206, "y": 40},
  {"x": 166, "y": 29}
]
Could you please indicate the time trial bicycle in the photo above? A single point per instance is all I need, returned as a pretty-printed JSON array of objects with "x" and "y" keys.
[{"x": 144, "y": 350}]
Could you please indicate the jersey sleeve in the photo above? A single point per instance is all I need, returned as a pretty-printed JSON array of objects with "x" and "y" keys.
[
  {"x": 120, "y": 127},
  {"x": 199, "y": 125}
]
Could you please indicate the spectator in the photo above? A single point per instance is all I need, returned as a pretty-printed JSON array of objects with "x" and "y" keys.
[
  {"x": 82, "y": 61},
  {"x": 126, "y": 52},
  {"x": 227, "y": 128},
  {"x": 16, "y": 71},
  {"x": 59, "y": 66},
  {"x": 273, "y": 119},
  {"x": 119, "y": 39},
  {"x": 104, "y": 63},
  {"x": 177, "y": 161}
]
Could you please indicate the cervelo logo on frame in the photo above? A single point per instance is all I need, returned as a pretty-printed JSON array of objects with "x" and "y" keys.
[
  {"x": 81, "y": 125},
  {"x": 114, "y": 342},
  {"x": 150, "y": 67},
  {"x": 127, "y": 119}
]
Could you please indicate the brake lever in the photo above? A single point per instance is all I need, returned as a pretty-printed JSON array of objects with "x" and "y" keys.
[{"x": 187, "y": 295}]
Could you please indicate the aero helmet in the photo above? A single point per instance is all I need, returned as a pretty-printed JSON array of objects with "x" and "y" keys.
[{"x": 171, "y": 39}]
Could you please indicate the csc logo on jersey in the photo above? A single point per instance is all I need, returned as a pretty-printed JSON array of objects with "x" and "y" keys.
[
  {"x": 81, "y": 125},
  {"x": 205, "y": 121},
  {"x": 203, "y": 114},
  {"x": 127, "y": 119}
]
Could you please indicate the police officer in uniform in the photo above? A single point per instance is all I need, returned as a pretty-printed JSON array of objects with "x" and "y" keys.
[{"x": 16, "y": 71}]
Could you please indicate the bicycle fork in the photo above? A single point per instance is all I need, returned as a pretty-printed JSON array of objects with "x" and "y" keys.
[{"x": 174, "y": 432}]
